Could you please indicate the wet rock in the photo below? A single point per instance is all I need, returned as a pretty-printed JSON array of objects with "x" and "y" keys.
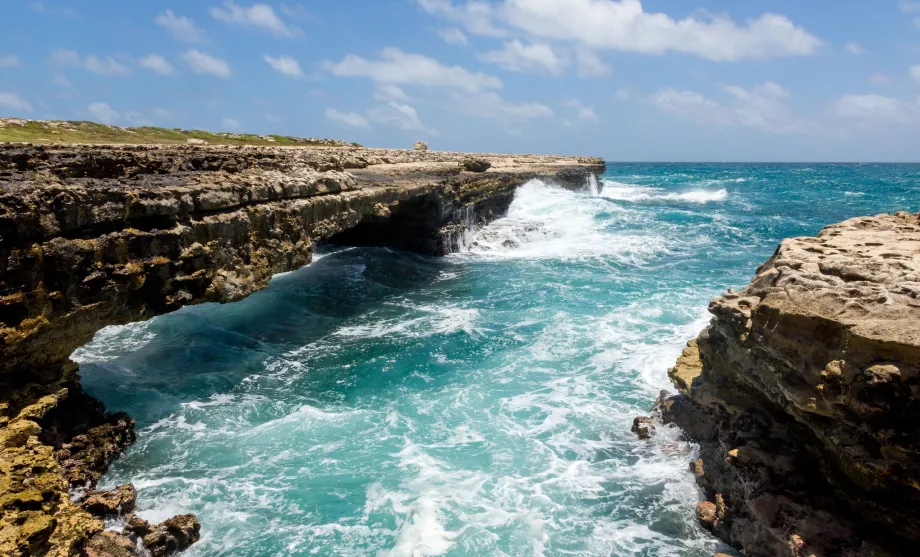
[
  {"x": 116, "y": 502},
  {"x": 476, "y": 165},
  {"x": 110, "y": 544},
  {"x": 168, "y": 537},
  {"x": 804, "y": 396},
  {"x": 643, "y": 426}
]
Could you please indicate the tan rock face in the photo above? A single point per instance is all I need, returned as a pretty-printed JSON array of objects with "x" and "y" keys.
[
  {"x": 804, "y": 394},
  {"x": 92, "y": 236}
]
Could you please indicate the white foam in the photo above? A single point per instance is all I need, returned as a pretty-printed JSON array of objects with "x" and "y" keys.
[
  {"x": 548, "y": 222},
  {"x": 112, "y": 342},
  {"x": 619, "y": 191},
  {"x": 432, "y": 320}
]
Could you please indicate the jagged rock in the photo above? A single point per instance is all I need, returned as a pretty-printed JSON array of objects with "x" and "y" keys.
[
  {"x": 170, "y": 536},
  {"x": 115, "y": 502},
  {"x": 420, "y": 146},
  {"x": 110, "y": 544},
  {"x": 643, "y": 427},
  {"x": 476, "y": 165},
  {"x": 804, "y": 396}
]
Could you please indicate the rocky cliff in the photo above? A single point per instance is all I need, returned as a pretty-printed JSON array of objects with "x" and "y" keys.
[
  {"x": 92, "y": 236},
  {"x": 804, "y": 395}
]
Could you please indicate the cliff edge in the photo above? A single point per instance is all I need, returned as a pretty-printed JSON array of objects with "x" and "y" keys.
[
  {"x": 92, "y": 236},
  {"x": 804, "y": 396}
]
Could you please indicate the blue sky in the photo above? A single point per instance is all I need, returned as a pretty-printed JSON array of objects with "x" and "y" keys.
[{"x": 629, "y": 80}]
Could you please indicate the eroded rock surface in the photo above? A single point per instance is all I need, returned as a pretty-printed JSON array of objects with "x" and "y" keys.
[
  {"x": 804, "y": 394},
  {"x": 92, "y": 236}
]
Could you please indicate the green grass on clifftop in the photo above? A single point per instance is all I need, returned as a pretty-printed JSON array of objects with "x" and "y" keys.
[{"x": 35, "y": 131}]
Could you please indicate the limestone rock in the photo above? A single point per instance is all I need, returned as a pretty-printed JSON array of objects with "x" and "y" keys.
[
  {"x": 643, "y": 427},
  {"x": 110, "y": 544},
  {"x": 194, "y": 141},
  {"x": 116, "y": 502},
  {"x": 804, "y": 396},
  {"x": 168, "y": 537},
  {"x": 420, "y": 146},
  {"x": 476, "y": 165}
]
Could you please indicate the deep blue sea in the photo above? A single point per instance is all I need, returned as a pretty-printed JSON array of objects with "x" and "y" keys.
[{"x": 386, "y": 404}]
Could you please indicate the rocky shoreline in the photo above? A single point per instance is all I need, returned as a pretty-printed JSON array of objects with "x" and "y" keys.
[
  {"x": 804, "y": 397},
  {"x": 92, "y": 236}
]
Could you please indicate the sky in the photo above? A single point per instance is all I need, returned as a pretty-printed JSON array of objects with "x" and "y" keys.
[{"x": 629, "y": 80}]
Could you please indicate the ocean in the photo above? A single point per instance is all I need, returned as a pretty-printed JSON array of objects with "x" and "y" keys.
[{"x": 388, "y": 404}]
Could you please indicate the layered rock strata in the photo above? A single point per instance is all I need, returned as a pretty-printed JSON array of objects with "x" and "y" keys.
[
  {"x": 804, "y": 396},
  {"x": 92, "y": 236}
]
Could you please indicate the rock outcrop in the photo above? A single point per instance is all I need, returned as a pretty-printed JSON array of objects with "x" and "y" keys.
[
  {"x": 804, "y": 395},
  {"x": 92, "y": 236}
]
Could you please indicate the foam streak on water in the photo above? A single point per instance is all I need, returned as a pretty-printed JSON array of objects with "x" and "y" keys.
[{"x": 380, "y": 403}]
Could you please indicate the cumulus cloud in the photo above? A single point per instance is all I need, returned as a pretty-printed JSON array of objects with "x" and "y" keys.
[
  {"x": 625, "y": 25},
  {"x": 12, "y": 101},
  {"x": 393, "y": 113},
  {"x": 9, "y": 61},
  {"x": 102, "y": 66},
  {"x": 157, "y": 64},
  {"x": 350, "y": 119},
  {"x": 104, "y": 113},
  {"x": 388, "y": 93},
  {"x": 258, "y": 16},
  {"x": 854, "y": 48},
  {"x": 519, "y": 57},
  {"x": 873, "y": 109},
  {"x": 205, "y": 64},
  {"x": 879, "y": 79},
  {"x": 396, "y": 67},
  {"x": 764, "y": 107},
  {"x": 590, "y": 64},
  {"x": 580, "y": 113},
  {"x": 453, "y": 36},
  {"x": 492, "y": 106},
  {"x": 285, "y": 65},
  {"x": 181, "y": 27}
]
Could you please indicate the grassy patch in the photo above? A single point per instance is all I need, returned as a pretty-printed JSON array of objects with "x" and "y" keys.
[{"x": 33, "y": 131}]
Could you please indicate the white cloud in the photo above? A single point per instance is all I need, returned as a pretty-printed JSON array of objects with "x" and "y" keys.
[
  {"x": 453, "y": 36},
  {"x": 581, "y": 111},
  {"x": 590, "y": 64},
  {"x": 625, "y": 25},
  {"x": 874, "y": 109},
  {"x": 764, "y": 107},
  {"x": 519, "y": 57},
  {"x": 493, "y": 107},
  {"x": 95, "y": 64},
  {"x": 104, "y": 113},
  {"x": 230, "y": 123},
  {"x": 854, "y": 48},
  {"x": 386, "y": 93},
  {"x": 879, "y": 79},
  {"x": 402, "y": 116},
  {"x": 203, "y": 63},
  {"x": 41, "y": 7},
  {"x": 181, "y": 27},
  {"x": 476, "y": 15},
  {"x": 911, "y": 8},
  {"x": 157, "y": 64},
  {"x": 104, "y": 66},
  {"x": 12, "y": 101},
  {"x": 10, "y": 61},
  {"x": 399, "y": 68},
  {"x": 260, "y": 16},
  {"x": 915, "y": 72},
  {"x": 349, "y": 119},
  {"x": 285, "y": 65}
]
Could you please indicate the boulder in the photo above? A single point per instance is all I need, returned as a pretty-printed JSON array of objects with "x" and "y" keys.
[
  {"x": 116, "y": 502},
  {"x": 421, "y": 146},
  {"x": 110, "y": 544},
  {"x": 168, "y": 537},
  {"x": 476, "y": 165},
  {"x": 195, "y": 141},
  {"x": 643, "y": 427}
]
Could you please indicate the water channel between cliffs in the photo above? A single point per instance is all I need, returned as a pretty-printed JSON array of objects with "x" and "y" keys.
[{"x": 378, "y": 402}]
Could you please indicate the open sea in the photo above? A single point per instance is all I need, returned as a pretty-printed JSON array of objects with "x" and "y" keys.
[{"x": 386, "y": 404}]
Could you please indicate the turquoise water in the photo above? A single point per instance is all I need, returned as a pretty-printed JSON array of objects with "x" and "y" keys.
[{"x": 382, "y": 403}]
